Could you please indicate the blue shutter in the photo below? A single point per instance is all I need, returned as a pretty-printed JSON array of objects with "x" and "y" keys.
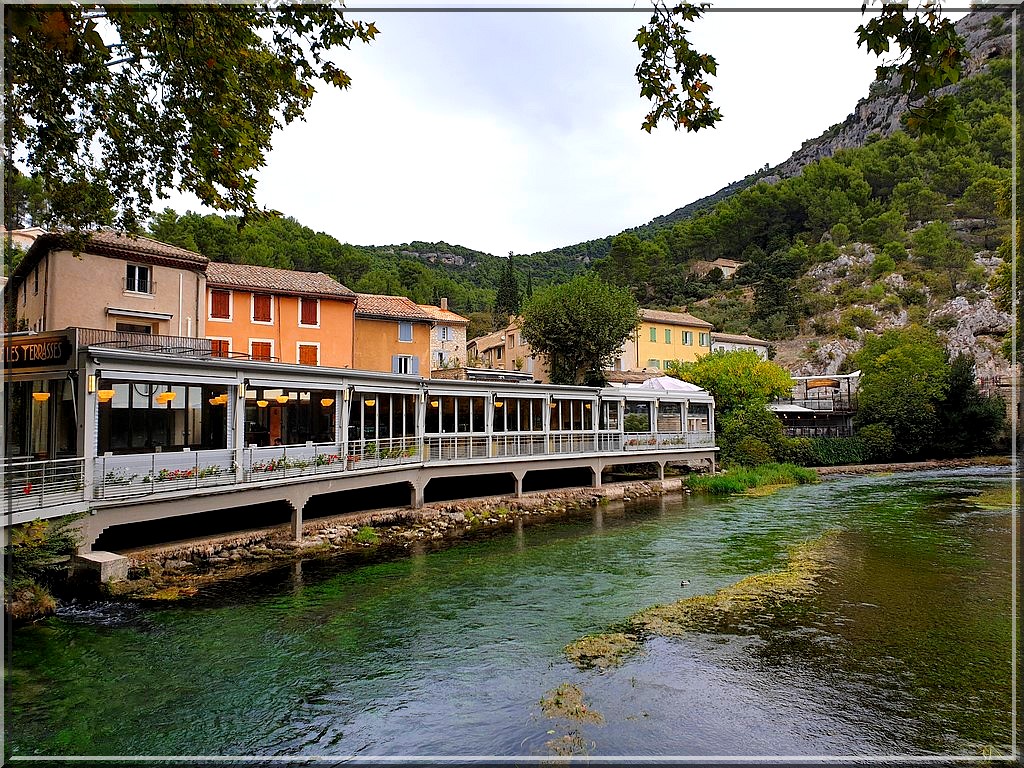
[
  {"x": 395, "y": 362},
  {"x": 415, "y": 371}
]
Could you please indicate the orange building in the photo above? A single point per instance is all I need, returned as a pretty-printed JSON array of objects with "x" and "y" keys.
[
  {"x": 279, "y": 314},
  {"x": 392, "y": 334}
]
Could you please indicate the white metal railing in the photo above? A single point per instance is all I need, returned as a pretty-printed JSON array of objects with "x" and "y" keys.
[
  {"x": 659, "y": 441},
  {"x": 383, "y": 452},
  {"x": 441, "y": 448},
  {"x": 40, "y": 483},
  {"x": 518, "y": 444},
  {"x": 146, "y": 473}
]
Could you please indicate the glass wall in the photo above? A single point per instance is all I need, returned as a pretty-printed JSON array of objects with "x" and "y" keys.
[
  {"x": 610, "y": 416},
  {"x": 40, "y": 419},
  {"x": 138, "y": 417},
  {"x": 374, "y": 416},
  {"x": 670, "y": 417},
  {"x": 572, "y": 415},
  {"x": 638, "y": 416},
  {"x": 697, "y": 417},
  {"x": 281, "y": 416},
  {"x": 519, "y": 414},
  {"x": 448, "y": 415}
]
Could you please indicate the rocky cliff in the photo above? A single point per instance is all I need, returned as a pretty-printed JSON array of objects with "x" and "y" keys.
[{"x": 881, "y": 111}]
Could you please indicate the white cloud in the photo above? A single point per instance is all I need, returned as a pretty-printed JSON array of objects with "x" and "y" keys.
[{"x": 521, "y": 131}]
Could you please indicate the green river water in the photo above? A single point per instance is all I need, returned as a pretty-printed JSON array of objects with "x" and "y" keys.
[{"x": 904, "y": 650}]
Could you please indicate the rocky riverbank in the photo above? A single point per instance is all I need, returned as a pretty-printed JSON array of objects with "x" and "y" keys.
[
  {"x": 181, "y": 569},
  {"x": 915, "y": 466}
]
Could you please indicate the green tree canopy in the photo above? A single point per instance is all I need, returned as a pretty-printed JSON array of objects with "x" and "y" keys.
[
  {"x": 904, "y": 378},
  {"x": 508, "y": 298},
  {"x": 107, "y": 104},
  {"x": 578, "y": 327},
  {"x": 737, "y": 379}
]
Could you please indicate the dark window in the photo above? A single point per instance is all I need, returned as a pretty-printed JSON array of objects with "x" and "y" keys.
[
  {"x": 133, "y": 328},
  {"x": 220, "y": 304},
  {"x": 137, "y": 279}
]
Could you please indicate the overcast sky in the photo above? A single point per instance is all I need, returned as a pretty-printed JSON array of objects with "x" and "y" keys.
[{"x": 521, "y": 131}]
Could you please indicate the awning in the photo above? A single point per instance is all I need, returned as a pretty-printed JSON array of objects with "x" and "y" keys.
[{"x": 138, "y": 313}]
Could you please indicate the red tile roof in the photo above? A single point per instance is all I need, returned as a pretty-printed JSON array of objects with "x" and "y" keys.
[
  {"x": 443, "y": 315},
  {"x": 106, "y": 242},
  {"x": 390, "y": 308},
  {"x": 271, "y": 280},
  {"x": 673, "y": 318}
]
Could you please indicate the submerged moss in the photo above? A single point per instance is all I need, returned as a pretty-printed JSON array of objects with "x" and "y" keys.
[
  {"x": 729, "y": 607},
  {"x": 566, "y": 702},
  {"x": 993, "y": 498},
  {"x": 602, "y": 651},
  {"x": 171, "y": 593}
]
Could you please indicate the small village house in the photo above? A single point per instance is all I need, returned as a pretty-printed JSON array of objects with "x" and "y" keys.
[{"x": 392, "y": 334}]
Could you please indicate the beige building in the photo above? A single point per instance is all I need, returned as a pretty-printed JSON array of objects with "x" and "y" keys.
[
  {"x": 730, "y": 342},
  {"x": 447, "y": 337},
  {"x": 505, "y": 350},
  {"x": 392, "y": 334},
  {"x": 110, "y": 281},
  {"x": 728, "y": 267}
]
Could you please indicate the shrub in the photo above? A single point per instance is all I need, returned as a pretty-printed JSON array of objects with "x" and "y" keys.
[
  {"x": 835, "y": 451},
  {"x": 877, "y": 441},
  {"x": 637, "y": 422},
  {"x": 797, "y": 450},
  {"x": 895, "y": 251},
  {"x": 861, "y": 317},
  {"x": 751, "y": 451}
]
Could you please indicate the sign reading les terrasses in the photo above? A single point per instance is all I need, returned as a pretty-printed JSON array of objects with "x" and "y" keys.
[{"x": 35, "y": 352}]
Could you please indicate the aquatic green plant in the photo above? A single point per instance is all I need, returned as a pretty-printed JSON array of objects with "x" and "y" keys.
[
  {"x": 725, "y": 609},
  {"x": 740, "y": 479}
]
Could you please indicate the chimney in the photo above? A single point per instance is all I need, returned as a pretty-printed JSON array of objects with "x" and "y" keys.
[{"x": 444, "y": 303}]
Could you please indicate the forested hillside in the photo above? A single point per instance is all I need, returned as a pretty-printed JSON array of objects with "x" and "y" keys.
[
  {"x": 897, "y": 230},
  {"x": 900, "y": 230}
]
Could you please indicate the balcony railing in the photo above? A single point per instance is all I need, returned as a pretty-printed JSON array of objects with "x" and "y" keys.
[
  {"x": 144, "y": 342},
  {"x": 43, "y": 484}
]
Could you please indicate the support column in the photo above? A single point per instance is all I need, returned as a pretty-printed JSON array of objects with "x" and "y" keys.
[
  {"x": 417, "y": 489},
  {"x": 519, "y": 483},
  {"x": 238, "y": 404},
  {"x": 595, "y": 470},
  {"x": 297, "y": 501},
  {"x": 661, "y": 470}
]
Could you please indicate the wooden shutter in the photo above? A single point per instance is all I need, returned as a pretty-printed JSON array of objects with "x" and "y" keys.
[
  {"x": 308, "y": 314},
  {"x": 261, "y": 308},
  {"x": 220, "y": 304},
  {"x": 220, "y": 347},
  {"x": 307, "y": 354},
  {"x": 260, "y": 350}
]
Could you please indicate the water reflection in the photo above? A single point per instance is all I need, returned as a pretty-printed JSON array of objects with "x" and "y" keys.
[{"x": 902, "y": 651}]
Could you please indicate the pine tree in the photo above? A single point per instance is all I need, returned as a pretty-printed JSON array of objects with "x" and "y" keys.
[{"x": 508, "y": 299}]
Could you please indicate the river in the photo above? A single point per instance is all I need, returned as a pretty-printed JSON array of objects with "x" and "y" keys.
[{"x": 904, "y": 650}]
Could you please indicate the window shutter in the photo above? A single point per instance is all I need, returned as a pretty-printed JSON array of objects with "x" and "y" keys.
[
  {"x": 260, "y": 350},
  {"x": 415, "y": 370},
  {"x": 220, "y": 347},
  {"x": 307, "y": 354},
  {"x": 261, "y": 307},
  {"x": 309, "y": 311},
  {"x": 396, "y": 363},
  {"x": 220, "y": 304}
]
